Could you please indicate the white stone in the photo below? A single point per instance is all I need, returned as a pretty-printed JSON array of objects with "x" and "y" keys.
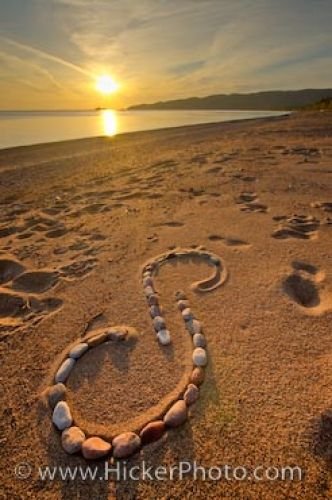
[
  {"x": 194, "y": 326},
  {"x": 61, "y": 416},
  {"x": 164, "y": 337},
  {"x": 78, "y": 350},
  {"x": 187, "y": 314},
  {"x": 199, "y": 356},
  {"x": 199, "y": 340},
  {"x": 159, "y": 323},
  {"x": 64, "y": 370}
]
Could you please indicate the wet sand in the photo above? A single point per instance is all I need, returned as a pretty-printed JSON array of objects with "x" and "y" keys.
[{"x": 78, "y": 219}]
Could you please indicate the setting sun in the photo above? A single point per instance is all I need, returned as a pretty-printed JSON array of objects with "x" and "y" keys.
[{"x": 106, "y": 85}]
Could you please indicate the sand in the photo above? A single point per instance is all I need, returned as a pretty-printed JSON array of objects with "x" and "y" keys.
[{"x": 78, "y": 220}]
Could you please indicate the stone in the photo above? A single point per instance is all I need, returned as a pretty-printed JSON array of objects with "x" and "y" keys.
[
  {"x": 95, "y": 447},
  {"x": 194, "y": 326},
  {"x": 179, "y": 295},
  {"x": 147, "y": 281},
  {"x": 176, "y": 415},
  {"x": 153, "y": 300},
  {"x": 155, "y": 311},
  {"x": 97, "y": 339},
  {"x": 152, "y": 432},
  {"x": 64, "y": 370},
  {"x": 159, "y": 323},
  {"x": 56, "y": 393},
  {"x": 199, "y": 357},
  {"x": 187, "y": 314},
  {"x": 148, "y": 290},
  {"x": 183, "y": 304},
  {"x": 78, "y": 350},
  {"x": 61, "y": 416},
  {"x": 199, "y": 340},
  {"x": 191, "y": 395},
  {"x": 197, "y": 376},
  {"x": 125, "y": 444},
  {"x": 164, "y": 337},
  {"x": 72, "y": 439}
]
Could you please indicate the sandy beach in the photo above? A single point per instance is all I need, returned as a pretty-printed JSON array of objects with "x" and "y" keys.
[{"x": 79, "y": 219}]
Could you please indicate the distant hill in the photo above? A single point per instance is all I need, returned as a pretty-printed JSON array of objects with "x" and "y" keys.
[
  {"x": 322, "y": 105},
  {"x": 269, "y": 100}
]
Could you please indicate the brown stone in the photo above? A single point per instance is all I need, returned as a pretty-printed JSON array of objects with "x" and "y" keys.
[
  {"x": 95, "y": 447},
  {"x": 72, "y": 439},
  {"x": 97, "y": 339},
  {"x": 125, "y": 444},
  {"x": 191, "y": 395},
  {"x": 197, "y": 376},
  {"x": 176, "y": 415},
  {"x": 152, "y": 432}
]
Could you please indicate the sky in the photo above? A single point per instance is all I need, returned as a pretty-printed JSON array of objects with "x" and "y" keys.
[{"x": 52, "y": 51}]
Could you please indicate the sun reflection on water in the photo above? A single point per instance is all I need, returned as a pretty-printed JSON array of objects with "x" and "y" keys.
[{"x": 109, "y": 122}]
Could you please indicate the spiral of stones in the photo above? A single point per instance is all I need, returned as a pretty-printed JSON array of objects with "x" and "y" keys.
[{"x": 123, "y": 445}]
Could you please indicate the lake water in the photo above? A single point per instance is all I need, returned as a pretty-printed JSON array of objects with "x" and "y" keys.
[{"x": 35, "y": 127}]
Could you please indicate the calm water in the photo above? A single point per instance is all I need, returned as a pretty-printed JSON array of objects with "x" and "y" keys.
[{"x": 32, "y": 127}]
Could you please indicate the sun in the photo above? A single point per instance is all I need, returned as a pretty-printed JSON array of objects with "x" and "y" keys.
[{"x": 106, "y": 85}]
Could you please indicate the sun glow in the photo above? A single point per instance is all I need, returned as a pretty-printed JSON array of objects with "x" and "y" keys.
[
  {"x": 109, "y": 122},
  {"x": 106, "y": 85}
]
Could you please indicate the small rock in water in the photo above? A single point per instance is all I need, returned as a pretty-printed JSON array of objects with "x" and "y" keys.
[
  {"x": 61, "y": 416},
  {"x": 95, "y": 447},
  {"x": 159, "y": 323},
  {"x": 147, "y": 281},
  {"x": 64, "y": 370},
  {"x": 191, "y": 395},
  {"x": 183, "y": 304},
  {"x": 152, "y": 432},
  {"x": 72, "y": 439},
  {"x": 194, "y": 326},
  {"x": 180, "y": 295},
  {"x": 197, "y": 376},
  {"x": 78, "y": 350},
  {"x": 55, "y": 394},
  {"x": 155, "y": 311},
  {"x": 125, "y": 444},
  {"x": 164, "y": 337},
  {"x": 187, "y": 314},
  {"x": 176, "y": 415},
  {"x": 199, "y": 356},
  {"x": 199, "y": 340}
]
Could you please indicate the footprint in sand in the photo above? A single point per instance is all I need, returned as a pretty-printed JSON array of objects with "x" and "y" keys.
[
  {"x": 229, "y": 242},
  {"x": 9, "y": 270},
  {"x": 304, "y": 227},
  {"x": 249, "y": 202},
  {"x": 305, "y": 287},
  {"x": 35, "y": 281}
]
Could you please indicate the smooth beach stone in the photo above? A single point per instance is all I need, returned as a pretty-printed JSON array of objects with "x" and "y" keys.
[
  {"x": 197, "y": 376},
  {"x": 56, "y": 393},
  {"x": 199, "y": 356},
  {"x": 194, "y": 326},
  {"x": 191, "y": 395},
  {"x": 153, "y": 300},
  {"x": 64, "y": 370},
  {"x": 164, "y": 337},
  {"x": 199, "y": 340},
  {"x": 155, "y": 311},
  {"x": 95, "y": 447},
  {"x": 187, "y": 314},
  {"x": 61, "y": 416},
  {"x": 152, "y": 432},
  {"x": 147, "y": 281},
  {"x": 179, "y": 295},
  {"x": 97, "y": 339},
  {"x": 78, "y": 350},
  {"x": 183, "y": 304},
  {"x": 125, "y": 444},
  {"x": 159, "y": 323},
  {"x": 72, "y": 439},
  {"x": 176, "y": 415}
]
